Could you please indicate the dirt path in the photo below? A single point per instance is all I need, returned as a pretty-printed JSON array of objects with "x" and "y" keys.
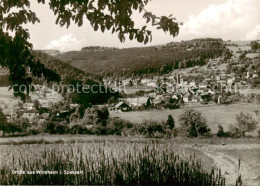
[{"x": 229, "y": 164}]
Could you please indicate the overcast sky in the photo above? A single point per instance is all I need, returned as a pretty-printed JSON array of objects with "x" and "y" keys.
[{"x": 227, "y": 19}]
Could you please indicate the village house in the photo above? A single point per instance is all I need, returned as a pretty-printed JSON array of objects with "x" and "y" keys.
[
  {"x": 175, "y": 96},
  {"x": 45, "y": 115},
  {"x": 122, "y": 106},
  {"x": 145, "y": 81},
  {"x": 72, "y": 106},
  {"x": 192, "y": 83},
  {"x": 139, "y": 101},
  {"x": 158, "y": 99},
  {"x": 10, "y": 114},
  {"x": 206, "y": 80},
  {"x": 236, "y": 79},
  {"x": 217, "y": 77},
  {"x": 152, "y": 95},
  {"x": 256, "y": 61},
  {"x": 152, "y": 84},
  {"x": 202, "y": 86},
  {"x": 187, "y": 98},
  {"x": 230, "y": 81},
  {"x": 32, "y": 117},
  {"x": 223, "y": 77},
  {"x": 183, "y": 82},
  {"x": 28, "y": 106},
  {"x": 195, "y": 99},
  {"x": 41, "y": 121}
]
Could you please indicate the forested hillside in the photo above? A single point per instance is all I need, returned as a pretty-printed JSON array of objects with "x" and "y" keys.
[
  {"x": 97, "y": 93},
  {"x": 163, "y": 59},
  {"x": 67, "y": 72}
]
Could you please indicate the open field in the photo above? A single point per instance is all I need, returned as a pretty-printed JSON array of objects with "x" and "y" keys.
[
  {"x": 210, "y": 151},
  {"x": 7, "y": 98},
  {"x": 215, "y": 115},
  {"x": 238, "y": 48}
]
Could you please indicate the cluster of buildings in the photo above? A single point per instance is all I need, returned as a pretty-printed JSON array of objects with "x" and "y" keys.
[
  {"x": 180, "y": 86},
  {"x": 42, "y": 97},
  {"x": 25, "y": 111}
]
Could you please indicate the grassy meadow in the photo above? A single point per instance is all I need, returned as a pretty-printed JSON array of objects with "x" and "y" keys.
[{"x": 215, "y": 114}]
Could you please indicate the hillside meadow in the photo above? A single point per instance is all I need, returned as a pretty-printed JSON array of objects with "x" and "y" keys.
[{"x": 215, "y": 114}]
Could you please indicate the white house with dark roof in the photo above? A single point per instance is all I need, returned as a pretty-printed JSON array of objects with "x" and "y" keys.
[{"x": 122, "y": 106}]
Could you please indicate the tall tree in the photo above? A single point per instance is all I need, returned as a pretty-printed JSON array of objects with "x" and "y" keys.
[
  {"x": 170, "y": 122},
  {"x": 245, "y": 123},
  {"x": 255, "y": 45},
  {"x": 114, "y": 15},
  {"x": 193, "y": 124},
  {"x": 3, "y": 122}
]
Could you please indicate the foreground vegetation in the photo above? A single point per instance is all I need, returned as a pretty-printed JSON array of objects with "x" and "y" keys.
[
  {"x": 97, "y": 121},
  {"x": 110, "y": 163}
]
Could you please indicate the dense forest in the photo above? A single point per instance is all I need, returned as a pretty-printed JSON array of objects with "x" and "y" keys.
[
  {"x": 99, "y": 94},
  {"x": 66, "y": 71},
  {"x": 156, "y": 59}
]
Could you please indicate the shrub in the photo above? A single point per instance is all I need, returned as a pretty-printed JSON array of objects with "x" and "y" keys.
[
  {"x": 12, "y": 128},
  {"x": 24, "y": 124},
  {"x": 171, "y": 106},
  {"x": 79, "y": 129},
  {"x": 115, "y": 126},
  {"x": 99, "y": 129},
  {"x": 36, "y": 104},
  {"x": 103, "y": 113},
  {"x": 172, "y": 133},
  {"x": 151, "y": 128},
  {"x": 50, "y": 128},
  {"x": 170, "y": 122},
  {"x": 233, "y": 131},
  {"x": 3, "y": 122},
  {"x": 62, "y": 129},
  {"x": 54, "y": 128},
  {"x": 245, "y": 123},
  {"x": 221, "y": 132},
  {"x": 175, "y": 132},
  {"x": 33, "y": 132},
  {"x": 193, "y": 124}
]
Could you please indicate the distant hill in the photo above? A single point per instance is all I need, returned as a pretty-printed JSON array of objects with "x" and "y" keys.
[
  {"x": 50, "y": 52},
  {"x": 97, "y": 94},
  {"x": 97, "y": 48},
  {"x": 67, "y": 72},
  {"x": 110, "y": 61}
]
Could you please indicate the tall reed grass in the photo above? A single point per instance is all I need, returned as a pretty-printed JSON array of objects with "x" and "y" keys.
[{"x": 138, "y": 165}]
